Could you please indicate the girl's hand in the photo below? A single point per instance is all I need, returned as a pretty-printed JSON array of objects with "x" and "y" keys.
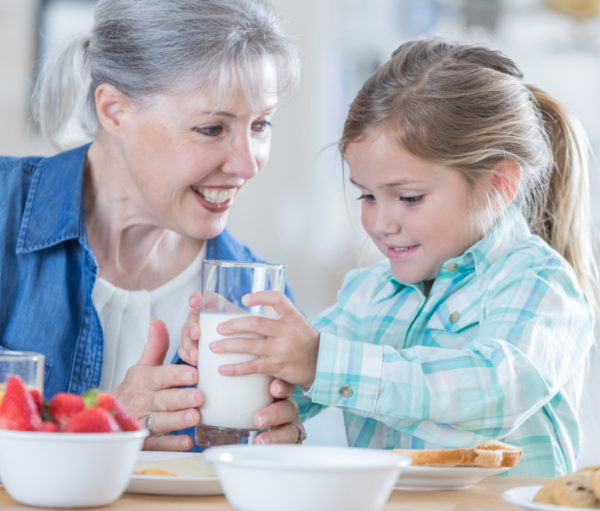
[
  {"x": 281, "y": 417},
  {"x": 150, "y": 393},
  {"x": 287, "y": 348}
]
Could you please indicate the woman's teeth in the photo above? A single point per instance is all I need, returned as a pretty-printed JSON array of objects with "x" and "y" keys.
[{"x": 217, "y": 195}]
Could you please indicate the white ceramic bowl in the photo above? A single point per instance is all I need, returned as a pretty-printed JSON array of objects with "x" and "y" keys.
[
  {"x": 303, "y": 478},
  {"x": 67, "y": 469}
]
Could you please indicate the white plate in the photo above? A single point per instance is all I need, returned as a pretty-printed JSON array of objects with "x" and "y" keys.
[
  {"x": 442, "y": 478},
  {"x": 523, "y": 496},
  {"x": 169, "y": 485}
]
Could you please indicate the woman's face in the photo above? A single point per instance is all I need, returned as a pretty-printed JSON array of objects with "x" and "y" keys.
[
  {"x": 417, "y": 212},
  {"x": 188, "y": 155}
]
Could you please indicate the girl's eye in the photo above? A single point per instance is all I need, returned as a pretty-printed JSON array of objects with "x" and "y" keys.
[
  {"x": 412, "y": 199},
  {"x": 209, "y": 131},
  {"x": 261, "y": 126},
  {"x": 366, "y": 197}
]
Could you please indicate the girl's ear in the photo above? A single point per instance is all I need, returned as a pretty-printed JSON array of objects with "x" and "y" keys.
[
  {"x": 110, "y": 104},
  {"x": 507, "y": 179}
]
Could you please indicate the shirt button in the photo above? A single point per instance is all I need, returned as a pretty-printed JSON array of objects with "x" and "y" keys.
[
  {"x": 452, "y": 267},
  {"x": 346, "y": 391},
  {"x": 454, "y": 317}
]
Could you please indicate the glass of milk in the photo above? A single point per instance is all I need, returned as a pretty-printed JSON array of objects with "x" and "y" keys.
[{"x": 230, "y": 402}]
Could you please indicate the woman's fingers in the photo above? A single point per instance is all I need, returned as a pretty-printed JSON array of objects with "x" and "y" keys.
[
  {"x": 168, "y": 443},
  {"x": 161, "y": 423},
  {"x": 281, "y": 389},
  {"x": 188, "y": 348},
  {"x": 278, "y": 413},
  {"x": 286, "y": 434}
]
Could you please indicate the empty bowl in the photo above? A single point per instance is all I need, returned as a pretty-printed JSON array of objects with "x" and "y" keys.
[
  {"x": 302, "y": 478},
  {"x": 67, "y": 469}
]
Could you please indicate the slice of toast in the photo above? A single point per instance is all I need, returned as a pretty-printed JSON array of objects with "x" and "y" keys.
[{"x": 492, "y": 454}]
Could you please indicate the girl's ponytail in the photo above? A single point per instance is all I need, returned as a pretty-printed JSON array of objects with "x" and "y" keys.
[{"x": 562, "y": 216}]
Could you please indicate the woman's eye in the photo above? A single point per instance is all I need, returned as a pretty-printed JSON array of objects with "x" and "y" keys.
[
  {"x": 261, "y": 126},
  {"x": 366, "y": 197},
  {"x": 411, "y": 200},
  {"x": 209, "y": 131}
]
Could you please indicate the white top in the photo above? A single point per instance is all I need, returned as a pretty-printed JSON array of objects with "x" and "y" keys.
[{"x": 125, "y": 317}]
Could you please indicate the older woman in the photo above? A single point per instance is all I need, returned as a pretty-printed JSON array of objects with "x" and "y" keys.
[{"x": 177, "y": 99}]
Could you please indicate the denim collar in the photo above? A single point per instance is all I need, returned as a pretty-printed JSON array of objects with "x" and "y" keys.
[{"x": 54, "y": 210}]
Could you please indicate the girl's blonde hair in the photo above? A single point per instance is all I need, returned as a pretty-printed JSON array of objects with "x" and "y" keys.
[{"x": 466, "y": 107}]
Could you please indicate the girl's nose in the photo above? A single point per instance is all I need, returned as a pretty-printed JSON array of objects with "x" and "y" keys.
[{"x": 385, "y": 221}]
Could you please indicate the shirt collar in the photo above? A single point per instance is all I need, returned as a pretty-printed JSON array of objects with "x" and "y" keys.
[
  {"x": 507, "y": 232},
  {"x": 54, "y": 209}
]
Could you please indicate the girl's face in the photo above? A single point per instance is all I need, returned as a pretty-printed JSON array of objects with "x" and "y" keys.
[
  {"x": 187, "y": 156},
  {"x": 416, "y": 212}
]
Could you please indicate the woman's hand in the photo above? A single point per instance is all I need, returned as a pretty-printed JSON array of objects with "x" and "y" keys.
[
  {"x": 188, "y": 348},
  {"x": 281, "y": 417},
  {"x": 150, "y": 392},
  {"x": 286, "y": 348}
]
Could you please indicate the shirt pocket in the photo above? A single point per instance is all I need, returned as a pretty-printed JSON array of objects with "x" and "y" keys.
[{"x": 453, "y": 325}]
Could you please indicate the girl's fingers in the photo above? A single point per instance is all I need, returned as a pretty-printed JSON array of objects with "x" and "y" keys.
[{"x": 282, "y": 305}]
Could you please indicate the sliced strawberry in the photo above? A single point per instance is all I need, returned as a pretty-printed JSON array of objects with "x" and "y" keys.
[
  {"x": 92, "y": 420},
  {"x": 18, "y": 410},
  {"x": 110, "y": 403},
  {"x": 63, "y": 406}
]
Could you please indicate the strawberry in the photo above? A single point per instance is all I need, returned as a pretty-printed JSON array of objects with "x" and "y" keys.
[
  {"x": 37, "y": 399},
  {"x": 48, "y": 427},
  {"x": 92, "y": 420},
  {"x": 18, "y": 409},
  {"x": 63, "y": 406},
  {"x": 110, "y": 403}
]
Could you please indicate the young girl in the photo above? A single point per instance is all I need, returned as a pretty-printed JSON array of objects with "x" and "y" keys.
[{"x": 477, "y": 326}]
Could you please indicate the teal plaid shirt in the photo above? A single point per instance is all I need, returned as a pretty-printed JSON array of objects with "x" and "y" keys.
[{"x": 497, "y": 350}]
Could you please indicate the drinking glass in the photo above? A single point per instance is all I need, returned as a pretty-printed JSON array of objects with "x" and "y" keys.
[
  {"x": 230, "y": 402},
  {"x": 26, "y": 364}
]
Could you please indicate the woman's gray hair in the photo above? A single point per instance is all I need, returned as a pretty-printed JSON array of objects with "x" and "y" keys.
[{"x": 147, "y": 47}]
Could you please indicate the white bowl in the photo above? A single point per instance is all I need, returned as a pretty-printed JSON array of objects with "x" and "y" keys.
[
  {"x": 68, "y": 469},
  {"x": 303, "y": 478}
]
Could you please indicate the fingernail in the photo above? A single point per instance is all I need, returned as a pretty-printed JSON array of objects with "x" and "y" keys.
[
  {"x": 189, "y": 376},
  {"x": 245, "y": 299},
  {"x": 260, "y": 421},
  {"x": 189, "y": 417},
  {"x": 279, "y": 388}
]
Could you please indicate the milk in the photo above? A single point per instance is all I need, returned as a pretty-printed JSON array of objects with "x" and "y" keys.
[{"x": 229, "y": 401}]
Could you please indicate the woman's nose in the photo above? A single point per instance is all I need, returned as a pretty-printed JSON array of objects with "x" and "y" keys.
[{"x": 243, "y": 159}]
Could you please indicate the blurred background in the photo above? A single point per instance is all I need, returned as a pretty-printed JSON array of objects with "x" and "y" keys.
[{"x": 300, "y": 211}]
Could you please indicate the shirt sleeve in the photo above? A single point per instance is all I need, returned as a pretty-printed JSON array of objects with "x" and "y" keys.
[{"x": 533, "y": 331}]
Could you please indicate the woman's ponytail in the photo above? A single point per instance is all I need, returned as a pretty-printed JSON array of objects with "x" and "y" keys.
[{"x": 61, "y": 105}]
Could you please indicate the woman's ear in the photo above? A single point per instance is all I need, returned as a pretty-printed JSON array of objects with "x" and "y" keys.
[
  {"x": 110, "y": 104},
  {"x": 507, "y": 179}
]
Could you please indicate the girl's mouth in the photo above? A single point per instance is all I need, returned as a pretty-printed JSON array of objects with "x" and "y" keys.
[{"x": 401, "y": 252}]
